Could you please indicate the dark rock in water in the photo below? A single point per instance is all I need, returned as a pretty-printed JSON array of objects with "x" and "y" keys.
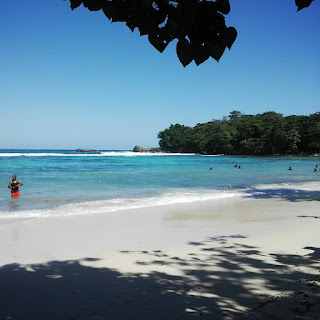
[
  {"x": 140, "y": 149},
  {"x": 87, "y": 150}
]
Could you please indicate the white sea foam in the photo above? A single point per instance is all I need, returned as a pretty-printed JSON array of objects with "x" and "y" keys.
[
  {"x": 101, "y": 154},
  {"x": 282, "y": 190},
  {"x": 112, "y": 205},
  {"x": 21, "y": 154},
  {"x": 138, "y": 154}
]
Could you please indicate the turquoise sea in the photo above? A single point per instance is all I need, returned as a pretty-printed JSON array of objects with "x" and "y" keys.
[{"x": 65, "y": 182}]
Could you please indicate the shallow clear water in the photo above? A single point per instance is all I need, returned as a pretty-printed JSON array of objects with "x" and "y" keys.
[{"x": 77, "y": 183}]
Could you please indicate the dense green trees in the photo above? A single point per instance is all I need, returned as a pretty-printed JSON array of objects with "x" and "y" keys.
[{"x": 269, "y": 133}]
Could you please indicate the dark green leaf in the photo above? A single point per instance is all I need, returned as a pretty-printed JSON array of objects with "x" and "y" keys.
[
  {"x": 143, "y": 30},
  {"x": 157, "y": 41},
  {"x": 229, "y": 35},
  {"x": 303, "y": 4},
  {"x": 131, "y": 25},
  {"x": 75, "y": 3},
  {"x": 215, "y": 50},
  {"x": 184, "y": 52},
  {"x": 93, "y": 5},
  {"x": 200, "y": 54},
  {"x": 223, "y": 6},
  {"x": 119, "y": 12},
  {"x": 107, "y": 9}
]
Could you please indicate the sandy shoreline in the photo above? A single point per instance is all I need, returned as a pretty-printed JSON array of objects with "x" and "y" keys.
[{"x": 245, "y": 258}]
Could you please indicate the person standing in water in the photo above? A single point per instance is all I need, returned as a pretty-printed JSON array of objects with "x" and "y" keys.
[{"x": 14, "y": 186}]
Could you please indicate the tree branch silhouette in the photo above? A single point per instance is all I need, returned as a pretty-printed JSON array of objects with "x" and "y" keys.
[{"x": 198, "y": 25}]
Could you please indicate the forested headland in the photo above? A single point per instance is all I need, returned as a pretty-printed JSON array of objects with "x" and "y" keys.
[{"x": 268, "y": 133}]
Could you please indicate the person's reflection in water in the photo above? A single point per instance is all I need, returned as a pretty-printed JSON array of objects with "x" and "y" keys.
[{"x": 13, "y": 204}]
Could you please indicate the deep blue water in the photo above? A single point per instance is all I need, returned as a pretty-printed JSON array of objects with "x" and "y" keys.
[{"x": 53, "y": 178}]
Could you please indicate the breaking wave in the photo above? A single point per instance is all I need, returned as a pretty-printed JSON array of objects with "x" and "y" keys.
[{"x": 112, "y": 205}]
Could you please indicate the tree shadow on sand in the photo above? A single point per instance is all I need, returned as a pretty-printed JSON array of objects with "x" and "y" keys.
[
  {"x": 292, "y": 195},
  {"x": 309, "y": 216},
  {"x": 217, "y": 279}
]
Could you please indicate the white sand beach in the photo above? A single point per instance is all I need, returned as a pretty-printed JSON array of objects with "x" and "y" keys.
[{"x": 224, "y": 259}]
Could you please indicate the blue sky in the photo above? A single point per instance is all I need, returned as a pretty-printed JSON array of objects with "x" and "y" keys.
[{"x": 72, "y": 79}]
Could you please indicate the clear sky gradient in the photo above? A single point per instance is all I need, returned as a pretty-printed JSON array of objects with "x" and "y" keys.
[{"x": 72, "y": 79}]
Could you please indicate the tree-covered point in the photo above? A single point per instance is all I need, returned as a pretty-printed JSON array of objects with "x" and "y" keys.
[{"x": 269, "y": 133}]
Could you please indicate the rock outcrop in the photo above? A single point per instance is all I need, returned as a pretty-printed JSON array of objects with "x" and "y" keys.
[
  {"x": 87, "y": 150},
  {"x": 140, "y": 149}
]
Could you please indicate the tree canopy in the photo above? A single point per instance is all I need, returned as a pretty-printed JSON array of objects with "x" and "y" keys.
[
  {"x": 198, "y": 25},
  {"x": 269, "y": 133}
]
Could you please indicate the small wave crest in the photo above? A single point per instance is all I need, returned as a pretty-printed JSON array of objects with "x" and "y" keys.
[
  {"x": 139, "y": 154},
  {"x": 100, "y": 154},
  {"x": 22, "y": 154},
  {"x": 112, "y": 205}
]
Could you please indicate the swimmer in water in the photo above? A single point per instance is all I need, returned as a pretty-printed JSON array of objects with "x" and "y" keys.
[{"x": 14, "y": 186}]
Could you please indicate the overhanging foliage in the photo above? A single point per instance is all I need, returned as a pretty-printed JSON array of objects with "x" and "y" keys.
[{"x": 198, "y": 25}]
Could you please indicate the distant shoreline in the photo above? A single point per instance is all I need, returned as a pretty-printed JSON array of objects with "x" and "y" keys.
[{"x": 149, "y": 150}]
